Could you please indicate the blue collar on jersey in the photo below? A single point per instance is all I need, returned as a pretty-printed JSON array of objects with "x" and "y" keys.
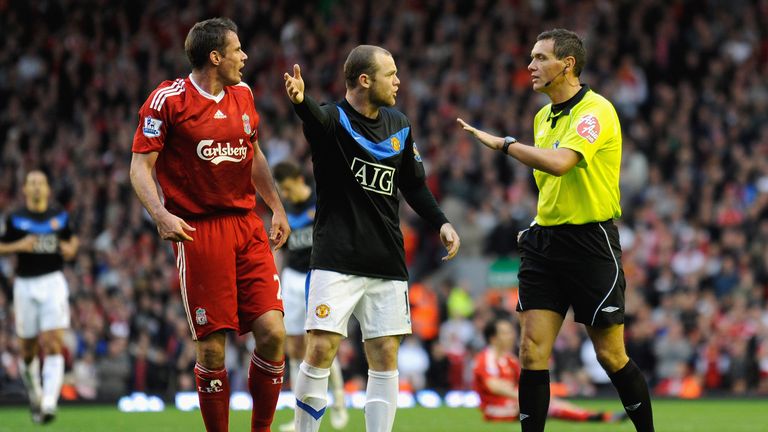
[
  {"x": 301, "y": 220},
  {"x": 381, "y": 150},
  {"x": 47, "y": 226}
]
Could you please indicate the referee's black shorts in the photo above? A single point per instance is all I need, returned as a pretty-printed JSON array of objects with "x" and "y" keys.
[{"x": 573, "y": 265}]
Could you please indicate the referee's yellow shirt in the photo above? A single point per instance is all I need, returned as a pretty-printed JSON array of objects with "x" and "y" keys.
[{"x": 589, "y": 192}]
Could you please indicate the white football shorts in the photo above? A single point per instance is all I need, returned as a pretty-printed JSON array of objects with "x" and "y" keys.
[
  {"x": 380, "y": 305},
  {"x": 294, "y": 301},
  {"x": 41, "y": 303}
]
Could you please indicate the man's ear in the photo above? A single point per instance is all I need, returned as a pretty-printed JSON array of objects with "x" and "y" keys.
[
  {"x": 364, "y": 80},
  {"x": 214, "y": 57}
]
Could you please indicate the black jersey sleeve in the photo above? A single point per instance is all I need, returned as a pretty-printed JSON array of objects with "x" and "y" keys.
[
  {"x": 312, "y": 114},
  {"x": 414, "y": 188}
]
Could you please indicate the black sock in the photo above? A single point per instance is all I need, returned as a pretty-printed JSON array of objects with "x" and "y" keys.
[
  {"x": 633, "y": 391},
  {"x": 534, "y": 399}
]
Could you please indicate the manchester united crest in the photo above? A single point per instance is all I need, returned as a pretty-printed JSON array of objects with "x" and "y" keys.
[
  {"x": 395, "y": 144},
  {"x": 247, "y": 124},
  {"x": 322, "y": 311}
]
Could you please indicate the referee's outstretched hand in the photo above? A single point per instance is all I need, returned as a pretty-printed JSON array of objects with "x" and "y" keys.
[
  {"x": 491, "y": 141},
  {"x": 294, "y": 85},
  {"x": 450, "y": 239}
]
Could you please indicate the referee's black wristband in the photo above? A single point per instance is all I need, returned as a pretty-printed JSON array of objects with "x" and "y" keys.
[{"x": 508, "y": 141}]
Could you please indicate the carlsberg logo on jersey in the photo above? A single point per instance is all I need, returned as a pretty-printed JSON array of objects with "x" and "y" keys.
[
  {"x": 221, "y": 152},
  {"x": 374, "y": 177}
]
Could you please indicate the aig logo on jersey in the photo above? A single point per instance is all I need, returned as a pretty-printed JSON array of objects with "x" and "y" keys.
[
  {"x": 374, "y": 177},
  {"x": 218, "y": 152}
]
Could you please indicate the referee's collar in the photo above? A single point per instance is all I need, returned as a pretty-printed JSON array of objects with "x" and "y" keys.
[{"x": 564, "y": 108}]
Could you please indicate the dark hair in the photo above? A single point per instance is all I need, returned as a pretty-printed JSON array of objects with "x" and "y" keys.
[
  {"x": 285, "y": 170},
  {"x": 567, "y": 43},
  {"x": 491, "y": 328},
  {"x": 361, "y": 60},
  {"x": 206, "y": 36}
]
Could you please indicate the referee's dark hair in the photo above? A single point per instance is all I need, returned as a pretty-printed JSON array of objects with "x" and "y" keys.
[
  {"x": 567, "y": 43},
  {"x": 285, "y": 170},
  {"x": 206, "y": 36},
  {"x": 361, "y": 60}
]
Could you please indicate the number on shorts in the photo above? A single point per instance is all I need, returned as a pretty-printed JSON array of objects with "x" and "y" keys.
[{"x": 279, "y": 286}]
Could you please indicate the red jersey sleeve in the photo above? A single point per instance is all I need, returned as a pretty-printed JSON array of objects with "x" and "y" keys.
[
  {"x": 254, "y": 116},
  {"x": 480, "y": 372},
  {"x": 155, "y": 118}
]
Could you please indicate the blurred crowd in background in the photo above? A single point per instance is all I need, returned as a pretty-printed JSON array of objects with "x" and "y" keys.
[{"x": 687, "y": 77}]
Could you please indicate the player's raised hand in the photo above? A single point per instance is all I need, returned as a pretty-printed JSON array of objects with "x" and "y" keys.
[
  {"x": 450, "y": 239},
  {"x": 294, "y": 85},
  {"x": 490, "y": 141},
  {"x": 173, "y": 228},
  {"x": 280, "y": 229}
]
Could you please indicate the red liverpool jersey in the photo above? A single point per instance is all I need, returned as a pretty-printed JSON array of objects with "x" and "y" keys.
[
  {"x": 204, "y": 145},
  {"x": 505, "y": 367}
]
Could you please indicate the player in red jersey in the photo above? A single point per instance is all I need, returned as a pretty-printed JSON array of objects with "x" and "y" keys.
[
  {"x": 497, "y": 372},
  {"x": 199, "y": 135}
]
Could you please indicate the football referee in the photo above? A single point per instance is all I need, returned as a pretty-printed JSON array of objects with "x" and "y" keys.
[{"x": 571, "y": 256}]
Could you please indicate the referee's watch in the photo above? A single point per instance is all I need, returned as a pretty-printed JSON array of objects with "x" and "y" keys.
[{"x": 508, "y": 141}]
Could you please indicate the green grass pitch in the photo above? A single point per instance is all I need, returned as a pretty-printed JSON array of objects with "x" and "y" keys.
[{"x": 745, "y": 415}]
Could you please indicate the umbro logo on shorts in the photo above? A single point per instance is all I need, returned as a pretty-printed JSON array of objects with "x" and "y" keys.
[{"x": 609, "y": 309}]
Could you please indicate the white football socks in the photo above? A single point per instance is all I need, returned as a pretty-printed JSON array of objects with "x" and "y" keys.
[
  {"x": 381, "y": 400},
  {"x": 53, "y": 377},
  {"x": 30, "y": 374},
  {"x": 336, "y": 381},
  {"x": 311, "y": 397}
]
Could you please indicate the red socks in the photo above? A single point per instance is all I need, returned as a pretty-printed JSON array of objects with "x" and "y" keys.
[
  {"x": 213, "y": 393},
  {"x": 265, "y": 379}
]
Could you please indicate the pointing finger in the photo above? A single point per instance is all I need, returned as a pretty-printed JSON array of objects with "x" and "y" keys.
[{"x": 296, "y": 71}]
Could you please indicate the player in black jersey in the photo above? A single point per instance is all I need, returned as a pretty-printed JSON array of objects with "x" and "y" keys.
[
  {"x": 299, "y": 201},
  {"x": 42, "y": 237},
  {"x": 363, "y": 153}
]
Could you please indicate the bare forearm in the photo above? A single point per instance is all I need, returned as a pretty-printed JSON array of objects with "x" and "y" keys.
[
  {"x": 145, "y": 188},
  {"x": 501, "y": 387},
  {"x": 262, "y": 180},
  {"x": 69, "y": 247}
]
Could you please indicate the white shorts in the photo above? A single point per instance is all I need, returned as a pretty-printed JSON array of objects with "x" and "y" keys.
[
  {"x": 380, "y": 305},
  {"x": 40, "y": 303},
  {"x": 294, "y": 285}
]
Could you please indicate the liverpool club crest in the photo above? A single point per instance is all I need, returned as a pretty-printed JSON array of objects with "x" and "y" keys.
[{"x": 246, "y": 124}]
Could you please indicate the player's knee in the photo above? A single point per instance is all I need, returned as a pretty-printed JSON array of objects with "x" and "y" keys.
[
  {"x": 320, "y": 351},
  {"x": 210, "y": 355},
  {"x": 271, "y": 337},
  {"x": 611, "y": 358},
  {"x": 532, "y": 354}
]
